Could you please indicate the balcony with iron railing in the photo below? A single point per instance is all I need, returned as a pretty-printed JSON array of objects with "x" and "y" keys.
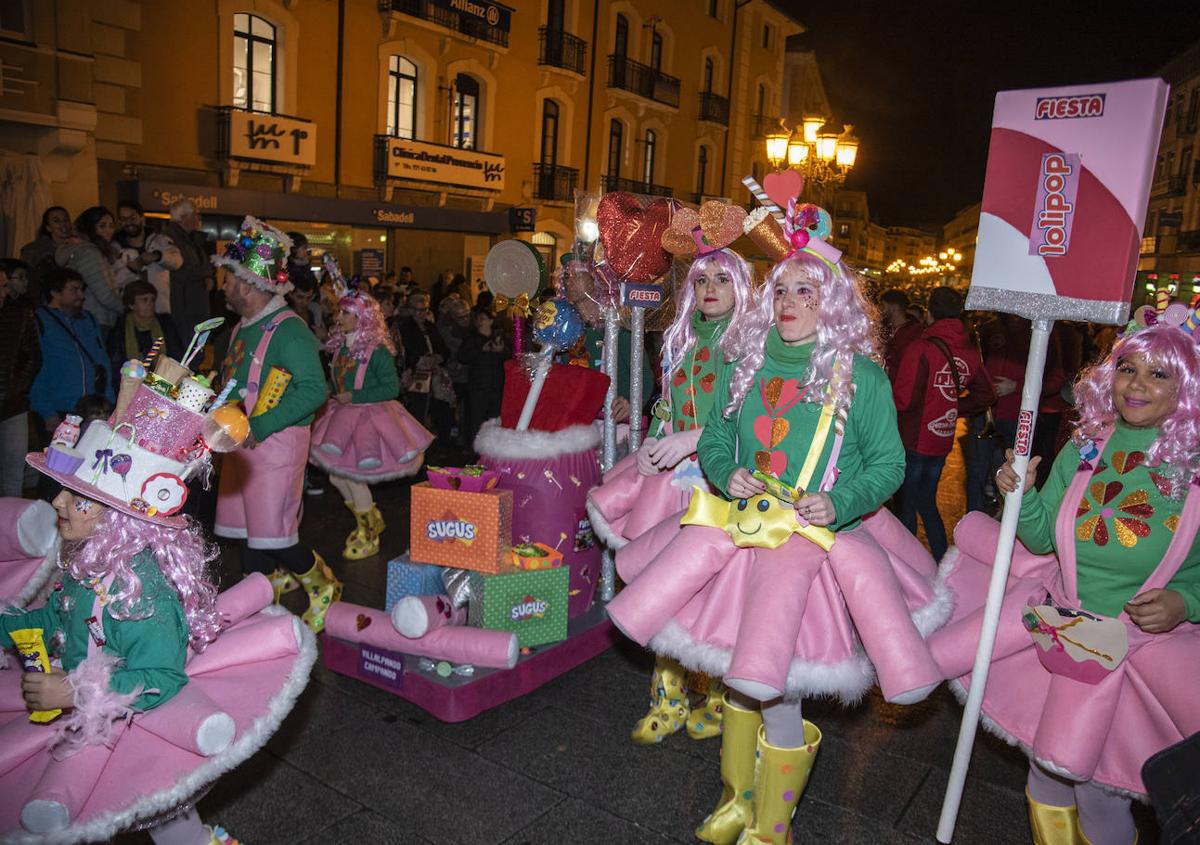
[
  {"x": 634, "y": 186},
  {"x": 643, "y": 80},
  {"x": 561, "y": 49},
  {"x": 554, "y": 182},
  {"x": 463, "y": 24},
  {"x": 714, "y": 108}
]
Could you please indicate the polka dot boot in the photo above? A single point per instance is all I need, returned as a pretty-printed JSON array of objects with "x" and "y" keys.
[
  {"x": 668, "y": 704},
  {"x": 323, "y": 590},
  {"x": 738, "y": 741},
  {"x": 779, "y": 781},
  {"x": 705, "y": 720}
]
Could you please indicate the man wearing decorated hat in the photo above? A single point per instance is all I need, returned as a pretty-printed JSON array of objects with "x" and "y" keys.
[{"x": 274, "y": 359}]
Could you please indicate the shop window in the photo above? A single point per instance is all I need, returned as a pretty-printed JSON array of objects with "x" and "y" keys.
[
  {"x": 254, "y": 55},
  {"x": 616, "y": 142},
  {"x": 701, "y": 170},
  {"x": 466, "y": 112},
  {"x": 648, "y": 153},
  {"x": 549, "y": 155},
  {"x": 402, "y": 98}
]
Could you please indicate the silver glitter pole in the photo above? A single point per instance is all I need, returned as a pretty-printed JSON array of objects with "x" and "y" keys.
[
  {"x": 608, "y": 453},
  {"x": 637, "y": 325}
]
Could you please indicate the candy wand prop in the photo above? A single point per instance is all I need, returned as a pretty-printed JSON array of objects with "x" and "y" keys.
[{"x": 199, "y": 338}]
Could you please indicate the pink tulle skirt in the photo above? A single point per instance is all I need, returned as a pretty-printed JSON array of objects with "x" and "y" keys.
[
  {"x": 252, "y": 673},
  {"x": 372, "y": 442},
  {"x": 628, "y": 503},
  {"x": 801, "y": 621},
  {"x": 1092, "y": 732}
]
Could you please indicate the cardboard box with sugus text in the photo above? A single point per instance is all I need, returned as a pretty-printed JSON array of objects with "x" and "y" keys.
[
  {"x": 532, "y": 603},
  {"x": 459, "y": 529}
]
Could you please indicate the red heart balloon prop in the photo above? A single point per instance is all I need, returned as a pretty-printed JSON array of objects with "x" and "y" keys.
[
  {"x": 632, "y": 235},
  {"x": 783, "y": 186}
]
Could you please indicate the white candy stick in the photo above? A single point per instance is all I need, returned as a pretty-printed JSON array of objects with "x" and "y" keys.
[{"x": 763, "y": 200}]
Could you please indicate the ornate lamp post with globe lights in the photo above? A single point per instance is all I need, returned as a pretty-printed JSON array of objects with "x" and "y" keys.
[{"x": 823, "y": 158}]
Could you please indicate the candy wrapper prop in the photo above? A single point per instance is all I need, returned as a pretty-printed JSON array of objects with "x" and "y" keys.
[
  {"x": 1064, "y": 199},
  {"x": 28, "y": 549},
  {"x": 557, "y": 326},
  {"x": 161, "y": 758}
]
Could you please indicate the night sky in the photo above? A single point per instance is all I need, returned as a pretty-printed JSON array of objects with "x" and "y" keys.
[{"x": 918, "y": 79}]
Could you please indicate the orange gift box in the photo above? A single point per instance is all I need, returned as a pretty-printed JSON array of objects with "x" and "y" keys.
[{"x": 462, "y": 530}]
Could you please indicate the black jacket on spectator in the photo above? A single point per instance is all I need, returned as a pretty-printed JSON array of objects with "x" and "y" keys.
[
  {"x": 189, "y": 284},
  {"x": 20, "y": 357}
]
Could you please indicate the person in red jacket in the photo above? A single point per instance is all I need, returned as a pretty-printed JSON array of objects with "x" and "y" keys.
[{"x": 939, "y": 377}]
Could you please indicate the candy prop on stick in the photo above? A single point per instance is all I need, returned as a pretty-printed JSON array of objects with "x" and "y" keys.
[
  {"x": 223, "y": 396},
  {"x": 632, "y": 235},
  {"x": 557, "y": 325},
  {"x": 225, "y": 429},
  {"x": 200, "y": 338},
  {"x": 155, "y": 348},
  {"x": 514, "y": 271},
  {"x": 1064, "y": 200}
]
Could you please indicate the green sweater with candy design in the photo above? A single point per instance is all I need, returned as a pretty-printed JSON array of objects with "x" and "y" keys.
[
  {"x": 380, "y": 381},
  {"x": 152, "y": 648},
  {"x": 1123, "y": 523},
  {"x": 293, "y": 348},
  {"x": 772, "y": 429},
  {"x": 694, "y": 380}
]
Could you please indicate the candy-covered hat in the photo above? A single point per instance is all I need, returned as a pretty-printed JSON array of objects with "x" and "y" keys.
[{"x": 259, "y": 255}]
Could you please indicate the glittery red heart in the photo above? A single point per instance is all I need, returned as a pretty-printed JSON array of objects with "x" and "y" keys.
[
  {"x": 704, "y": 354},
  {"x": 706, "y": 383},
  {"x": 688, "y": 409},
  {"x": 632, "y": 235},
  {"x": 680, "y": 377},
  {"x": 696, "y": 369},
  {"x": 361, "y": 621}
]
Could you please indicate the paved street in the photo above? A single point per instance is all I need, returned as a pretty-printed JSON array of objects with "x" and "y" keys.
[{"x": 355, "y": 764}]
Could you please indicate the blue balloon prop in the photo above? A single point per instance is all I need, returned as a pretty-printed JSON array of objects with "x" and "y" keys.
[{"x": 556, "y": 323}]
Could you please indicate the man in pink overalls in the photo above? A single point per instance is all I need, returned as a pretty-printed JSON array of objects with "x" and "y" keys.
[{"x": 273, "y": 356}]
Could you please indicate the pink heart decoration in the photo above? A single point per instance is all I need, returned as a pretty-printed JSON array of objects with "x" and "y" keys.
[
  {"x": 632, "y": 235},
  {"x": 762, "y": 430},
  {"x": 778, "y": 463},
  {"x": 783, "y": 186}
]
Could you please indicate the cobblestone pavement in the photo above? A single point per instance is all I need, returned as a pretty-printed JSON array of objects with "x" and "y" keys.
[{"x": 354, "y": 764}]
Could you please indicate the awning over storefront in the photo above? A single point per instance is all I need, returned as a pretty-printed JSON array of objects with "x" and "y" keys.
[{"x": 158, "y": 196}]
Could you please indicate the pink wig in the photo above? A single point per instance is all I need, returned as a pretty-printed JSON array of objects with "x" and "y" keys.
[
  {"x": 372, "y": 328},
  {"x": 1178, "y": 442},
  {"x": 845, "y": 327},
  {"x": 182, "y": 554},
  {"x": 680, "y": 336}
]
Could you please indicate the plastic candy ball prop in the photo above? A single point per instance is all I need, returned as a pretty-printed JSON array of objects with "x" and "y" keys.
[
  {"x": 225, "y": 429},
  {"x": 557, "y": 324}
]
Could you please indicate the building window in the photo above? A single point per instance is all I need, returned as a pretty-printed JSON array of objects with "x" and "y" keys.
[
  {"x": 701, "y": 170},
  {"x": 15, "y": 19},
  {"x": 616, "y": 141},
  {"x": 648, "y": 157},
  {"x": 253, "y": 63},
  {"x": 762, "y": 99},
  {"x": 843, "y": 230},
  {"x": 621, "y": 39},
  {"x": 766, "y": 41},
  {"x": 549, "y": 133},
  {"x": 708, "y": 74},
  {"x": 466, "y": 112},
  {"x": 656, "y": 51},
  {"x": 402, "y": 98},
  {"x": 555, "y": 16},
  {"x": 547, "y": 245},
  {"x": 713, "y": 10}
]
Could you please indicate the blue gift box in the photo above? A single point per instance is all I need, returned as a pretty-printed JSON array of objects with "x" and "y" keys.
[{"x": 405, "y": 578}]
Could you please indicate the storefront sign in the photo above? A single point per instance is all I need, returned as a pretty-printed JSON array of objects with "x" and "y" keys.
[
  {"x": 423, "y": 162},
  {"x": 523, "y": 219},
  {"x": 268, "y": 137},
  {"x": 369, "y": 262},
  {"x": 492, "y": 14}
]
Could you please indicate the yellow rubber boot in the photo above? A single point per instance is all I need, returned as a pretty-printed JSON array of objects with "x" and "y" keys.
[
  {"x": 362, "y": 542},
  {"x": 1052, "y": 825},
  {"x": 375, "y": 521},
  {"x": 282, "y": 582},
  {"x": 738, "y": 740},
  {"x": 779, "y": 781},
  {"x": 705, "y": 720},
  {"x": 668, "y": 704},
  {"x": 323, "y": 590}
]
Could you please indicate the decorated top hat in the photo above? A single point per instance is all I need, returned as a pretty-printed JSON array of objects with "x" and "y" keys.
[{"x": 258, "y": 255}]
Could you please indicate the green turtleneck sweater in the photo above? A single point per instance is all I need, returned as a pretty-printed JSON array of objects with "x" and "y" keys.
[
  {"x": 693, "y": 383},
  {"x": 1123, "y": 523},
  {"x": 774, "y": 426}
]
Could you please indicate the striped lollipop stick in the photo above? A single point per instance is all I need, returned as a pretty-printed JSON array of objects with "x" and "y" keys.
[
  {"x": 224, "y": 394},
  {"x": 765, "y": 201},
  {"x": 1162, "y": 298},
  {"x": 153, "y": 353}
]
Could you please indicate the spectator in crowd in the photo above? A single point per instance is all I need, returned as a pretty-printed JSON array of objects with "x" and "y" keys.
[
  {"x": 38, "y": 254},
  {"x": 192, "y": 280},
  {"x": 483, "y": 351},
  {"x": 388, "y": 299},
  {"x": 939, "y": 377},
  {"x": 20, "y": 360},
  {"x": 406, "y": 279},
  {"x": 428, "y": 390},
  {"x": 454, "y": 321},
  {"x": 17, "y": 272},
  {"x": 300, "y": 264},
  {"x": 304, "y": 301},
  {"x": 441, "y": 289},
  {"x": 139, "y": 327},
  {"x": 74, "y": 361},
  {"x": 900, "y": 329},
  {"x": 155, "y": 254},
  {"x": 90, "y": 253}
]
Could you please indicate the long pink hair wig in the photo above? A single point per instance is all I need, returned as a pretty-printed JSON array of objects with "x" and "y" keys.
[
  {"x": 183, "y": 555},
  {"x": 845, "y": 327},
  {"x": 372, "y": 328},
  {"x": 680, "y": 336},
  {"x": 1178, "y": 443}
]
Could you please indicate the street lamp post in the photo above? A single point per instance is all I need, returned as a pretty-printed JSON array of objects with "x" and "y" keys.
[{"x": 823, "y": 158}]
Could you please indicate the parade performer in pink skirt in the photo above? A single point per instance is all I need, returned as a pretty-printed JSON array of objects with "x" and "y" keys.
[
  {"x": 656, "y": 482},
  {"x": 363, "y": 435},
  {"x": 144, "y": 684},
  {"x": 274, "y": 359},
  {"x": 779, "y": 589},
  {"x": 1094, "y": 668}
]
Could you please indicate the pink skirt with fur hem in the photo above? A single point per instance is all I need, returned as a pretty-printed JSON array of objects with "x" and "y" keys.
[
  {"x": 376, "y": 441},
  {"x": 628, "y": 504}
]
